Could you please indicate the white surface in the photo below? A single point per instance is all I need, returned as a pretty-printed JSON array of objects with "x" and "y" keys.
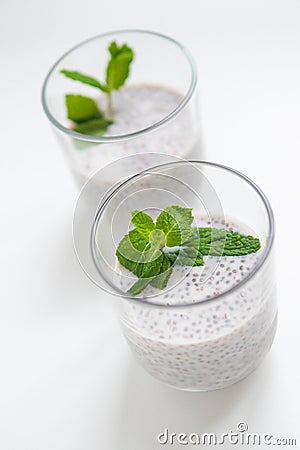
[{"x": 67, "y": 379}]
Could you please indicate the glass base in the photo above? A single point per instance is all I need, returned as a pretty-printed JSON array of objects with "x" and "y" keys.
[{"x": 269, "y": 338}]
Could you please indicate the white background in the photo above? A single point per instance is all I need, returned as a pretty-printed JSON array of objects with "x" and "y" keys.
[{"x": 67, "y": 378}]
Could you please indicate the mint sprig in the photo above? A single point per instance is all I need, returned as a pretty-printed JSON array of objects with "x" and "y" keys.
[
  {"x": 116, "y": 74},
  {"x": 152, "y": 249}
]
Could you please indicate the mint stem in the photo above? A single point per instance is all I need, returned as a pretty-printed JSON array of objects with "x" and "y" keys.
[{"x": 109, "y": 105}]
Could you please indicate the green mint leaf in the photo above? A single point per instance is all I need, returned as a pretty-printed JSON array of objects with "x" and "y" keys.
[
  {"x": 147, "y": 271},
  {"x": 113, "y": 48},
  {"x": 175, "y": 222},
  {"x": 86, "y": 79},
  {"x": 181, "y": 258},
  {"x": 212, "y": 241},
  {"x": 157, "y": 238},
  {"x": 172, "y": 256},
  {"x": 148, "y": 258},
  {"x": 163, "y": 271},
  {"x": 93, "y": 127},
  {"x": 126, "y": 254},
  {"x": 130, "y": 250},
  {"x": 138, "y": 255},
  {"x": 138, "y": 241},
  {"x": 220, "y": 242},
  {"x": 119, "y": 65},
  {"x": 161, "y": 280},
  {"x": 141, "y": 258},
  {"x": 81, "y": 108},
  {"x": 152, "y": 267},
  {"x": 188, "y": 253},
  {"x": 139, "y": 286},
  {"x": 143, "y": 223}
]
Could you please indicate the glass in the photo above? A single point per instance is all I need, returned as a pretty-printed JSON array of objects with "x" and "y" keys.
[
  {"x": 156, "y": 111},
  {"x": 213, "y": 324}
]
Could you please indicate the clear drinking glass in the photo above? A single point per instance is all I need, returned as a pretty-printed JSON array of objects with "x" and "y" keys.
[
  {"x": 213, "y": 324},
  {"x": 156, "y": 111}
]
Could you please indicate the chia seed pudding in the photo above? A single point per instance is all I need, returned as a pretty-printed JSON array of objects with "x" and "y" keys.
[
  {"x": 196, "y": 340},
  {"x": 137, "y": 107}
]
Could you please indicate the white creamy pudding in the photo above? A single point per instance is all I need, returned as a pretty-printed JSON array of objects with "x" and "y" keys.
[
  {"x": 137, "y": 107},
  {"x": 201, "y": 338}
]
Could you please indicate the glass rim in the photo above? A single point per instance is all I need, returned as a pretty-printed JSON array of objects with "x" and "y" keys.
[
  {"x": 122, "y": 137},
  {"x": 247, "y": 278}
]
